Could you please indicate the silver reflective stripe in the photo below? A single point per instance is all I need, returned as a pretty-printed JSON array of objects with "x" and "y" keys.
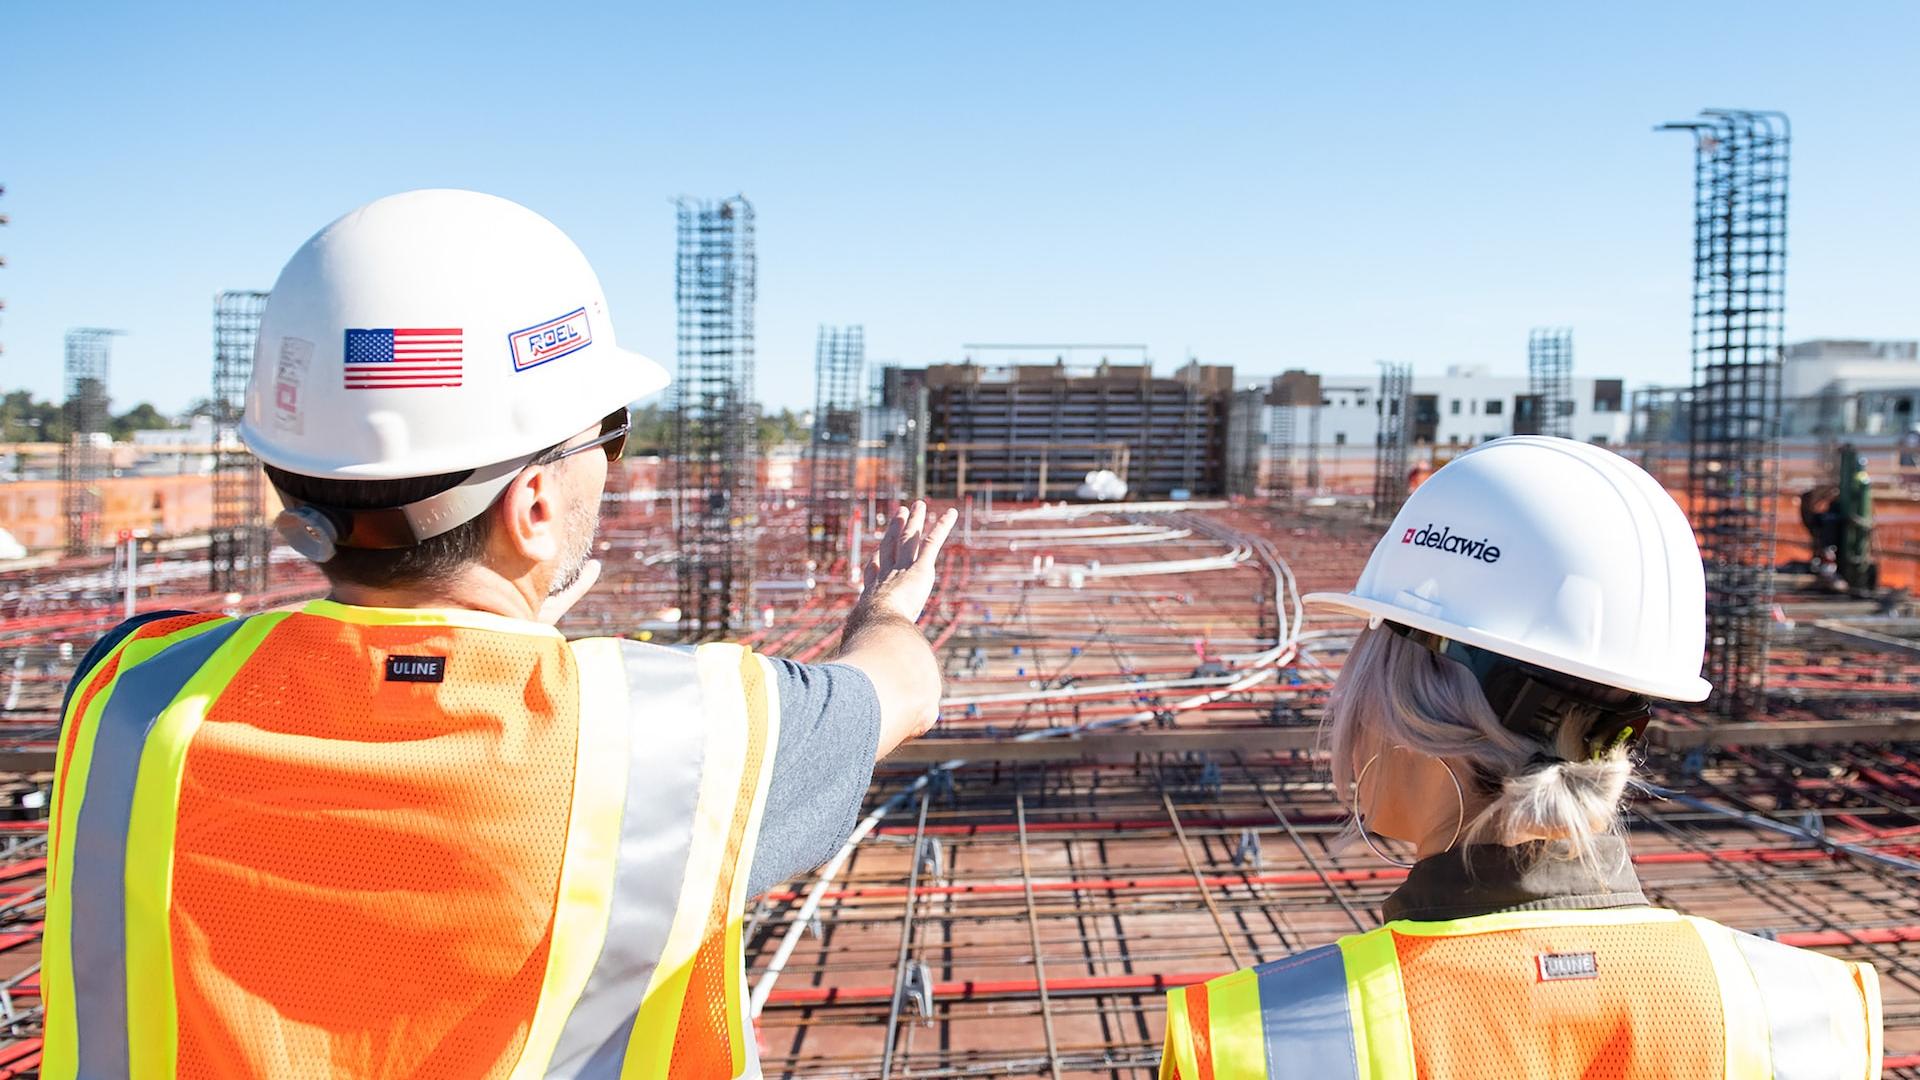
[
  {"x": 99, "y": 890},
  {"x": 667, "y": 748},
  {"x": 1303, "y": 1012},
  {"x": 1802, "y": 1011}
]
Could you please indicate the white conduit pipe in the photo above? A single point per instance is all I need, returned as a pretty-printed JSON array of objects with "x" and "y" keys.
[
  {"x": 1155, "y": 537},
  {"x": 1123, "y": 570},
  {"x": 1067, "y": 512},
  {"x": 1076, "y": 533}
]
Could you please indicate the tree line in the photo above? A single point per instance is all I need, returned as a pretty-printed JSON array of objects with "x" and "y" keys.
[{"x": 25, "y": 419}]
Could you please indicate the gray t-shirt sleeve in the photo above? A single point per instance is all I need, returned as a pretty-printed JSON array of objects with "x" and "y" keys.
[{"x": 829, "y": 732}]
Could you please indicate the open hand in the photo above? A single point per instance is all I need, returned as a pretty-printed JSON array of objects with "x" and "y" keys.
[{"x": 899, "y": 577}]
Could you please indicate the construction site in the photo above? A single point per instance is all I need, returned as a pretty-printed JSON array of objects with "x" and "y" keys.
[{"x": 1127, "y": 792}]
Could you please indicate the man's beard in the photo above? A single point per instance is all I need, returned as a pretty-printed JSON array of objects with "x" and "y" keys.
[{"x": 583, "y": 520}]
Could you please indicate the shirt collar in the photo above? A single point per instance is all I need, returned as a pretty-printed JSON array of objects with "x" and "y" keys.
[{"x": 1482, "y": 879}]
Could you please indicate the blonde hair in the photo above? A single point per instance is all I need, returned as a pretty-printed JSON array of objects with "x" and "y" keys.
[{"x": 1408, "y": 696}]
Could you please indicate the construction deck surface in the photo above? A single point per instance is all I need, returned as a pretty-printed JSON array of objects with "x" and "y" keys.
[{"x": 1124, "y": 794}]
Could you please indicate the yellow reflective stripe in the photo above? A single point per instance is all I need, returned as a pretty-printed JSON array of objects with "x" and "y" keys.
[
  {"x": 1868, "y": 979},
  {"x": 1234, "y": 1030},
  {"x": 60, "y": 1051},
  {"x": 1377, "y": 1003},
  {"x": 475, "y": 620},
  {"x": 152, "y": 1014},
  {"x": 724, "y": 707},
  {"x": 1530, "y": 920},
  {"x": 593, "y": 846},
  {"x": 1749, "y": 1046},
  {"x": 1176, "y": 1058},
  {"x": 763, "y": 713}
]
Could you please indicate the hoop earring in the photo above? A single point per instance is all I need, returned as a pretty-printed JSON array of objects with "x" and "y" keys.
[
  {"x": 1459, "y": 820},
  {"x": 1361, "y": 824}
]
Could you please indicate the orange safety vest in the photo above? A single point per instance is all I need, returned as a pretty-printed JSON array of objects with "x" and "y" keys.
[
  {"x": 398, "y": 843},
  {"x": 1616, "y": 994}
]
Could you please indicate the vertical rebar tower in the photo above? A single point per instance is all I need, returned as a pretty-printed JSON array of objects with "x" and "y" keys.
[
  {"x": 239, "y": 543},
  {"x": 84, "y": 458},
  {"x": 839, "y": 373},
  {"x": 1739, "y": 326},
  {"x": 1313, "y": 448},
  {"x": 1390, "y": 442},
  {"x": 913, "y": 440},
  {"x": 1280, "y": 442},
  {"x": 1550, "y": 378},
  {"x": 713, "y": 415}
]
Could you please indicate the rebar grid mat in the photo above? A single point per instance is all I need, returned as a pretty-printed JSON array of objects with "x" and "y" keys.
[{"x": 1144, "y": 867}]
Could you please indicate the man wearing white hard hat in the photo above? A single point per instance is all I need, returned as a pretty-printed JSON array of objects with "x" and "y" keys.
[
  {"x": 1531, "y": 600},
  {"x": 410, "y": 830}
]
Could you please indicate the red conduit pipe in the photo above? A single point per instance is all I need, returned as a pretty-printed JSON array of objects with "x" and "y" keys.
[{"x": 982, "y": 988}]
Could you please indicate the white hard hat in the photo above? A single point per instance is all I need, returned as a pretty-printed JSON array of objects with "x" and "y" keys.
[
  {"x": 1551, "y": 552},
  {"x": 433, "y": 332}
]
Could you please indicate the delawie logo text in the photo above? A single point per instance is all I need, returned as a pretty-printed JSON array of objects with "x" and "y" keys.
[{"x": 1443, "y": 539}]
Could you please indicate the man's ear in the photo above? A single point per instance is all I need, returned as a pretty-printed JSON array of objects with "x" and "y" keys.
[{"x": 529, "y": 516}]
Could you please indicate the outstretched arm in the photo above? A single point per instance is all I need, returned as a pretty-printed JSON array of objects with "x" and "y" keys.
[{"x": 881, "y": 638}]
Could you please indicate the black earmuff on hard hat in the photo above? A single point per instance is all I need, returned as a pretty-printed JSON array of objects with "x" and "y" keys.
[{"x": 1538, "y": 703}]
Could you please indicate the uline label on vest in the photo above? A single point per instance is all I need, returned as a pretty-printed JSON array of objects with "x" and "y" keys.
[
  {"x": 1579, "y": 965},
  {"x": 416, "y": 668}
]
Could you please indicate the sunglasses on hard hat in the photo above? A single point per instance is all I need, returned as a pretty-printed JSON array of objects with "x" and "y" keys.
[{"x": 613, "y": 438}]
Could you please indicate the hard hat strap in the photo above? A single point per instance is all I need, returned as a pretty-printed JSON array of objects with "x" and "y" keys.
[
  {"x": 1537, "y": 703},
  {"x": 385, "y": 528}
]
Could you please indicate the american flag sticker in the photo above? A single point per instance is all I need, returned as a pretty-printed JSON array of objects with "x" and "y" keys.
[{"x": 403, "y": 358}]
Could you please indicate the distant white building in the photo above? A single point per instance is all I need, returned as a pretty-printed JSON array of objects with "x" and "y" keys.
[
  {"x": 1464, "y": 407},
  {"x": 1866, "y": 388}
]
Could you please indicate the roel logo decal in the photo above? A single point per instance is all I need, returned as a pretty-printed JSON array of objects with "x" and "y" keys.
[{"x": 550, "y": 340}]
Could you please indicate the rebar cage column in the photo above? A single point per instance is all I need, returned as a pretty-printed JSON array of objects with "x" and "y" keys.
[
  {"x": 1550, "y": 379},
  {"x": 715, "y": 457},
  {"x": 1390, "y": 441},
  {"x": 1246, "y": 434},
  {"x": 239, "y": 544},
  {"x": 1280, "y": 442},
  {"x": 840, "y": 362},
  {"x": 85, "y": 457},
  {"x": 1738, "y": 330}
]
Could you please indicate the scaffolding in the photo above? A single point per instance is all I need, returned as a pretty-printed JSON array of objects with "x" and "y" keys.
[
  {"x": 239, "y": 542},
  {"x": 840, "y": 368},
  {"x": 715, "y": 460},
  {"x": 1390, "y": 441},
  {"x": 1550, "y": 380},
  {"x": 1739, "y": 315},
  {"x": 1035, "y": 430},
  {"x": 1291, "y": 392},
  {"x": 85, "y": 456},
  {"x": 1245, "y": 440}
]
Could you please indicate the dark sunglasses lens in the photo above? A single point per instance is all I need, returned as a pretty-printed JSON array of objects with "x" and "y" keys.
[{"x": 617, "y": 424}]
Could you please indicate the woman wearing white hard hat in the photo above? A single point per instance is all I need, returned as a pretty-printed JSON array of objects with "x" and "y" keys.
[{"x": 1528, "y": 604}]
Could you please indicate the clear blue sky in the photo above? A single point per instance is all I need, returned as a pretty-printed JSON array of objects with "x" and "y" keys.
[{"x": 1268, "y": 185}]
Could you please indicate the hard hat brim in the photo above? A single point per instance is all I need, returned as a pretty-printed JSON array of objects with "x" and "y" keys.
[
  {"x": 637, "y": 377},
  {"x": 1695, "y": 689}
]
